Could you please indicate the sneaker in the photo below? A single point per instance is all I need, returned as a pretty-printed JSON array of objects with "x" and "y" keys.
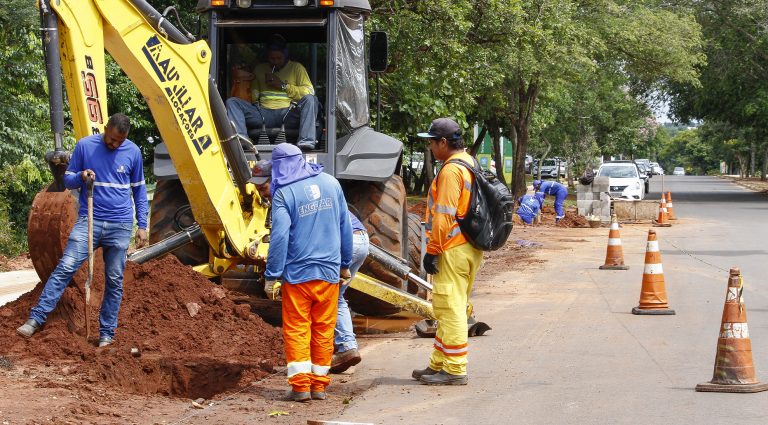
[
  {"x": 307, "y": 145},
  {"x": 300, "y": 396},
  {"x": 444, "y": 378},
  {"x": 318, "y": 395},
  {"x": 344, "y": 360},
  {"x": 29, "y": 328},
  {"x": 418, "y": 373},
  {"x": 104, "y": 341}
]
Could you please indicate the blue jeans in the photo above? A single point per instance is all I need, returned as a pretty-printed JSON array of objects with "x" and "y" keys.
[
  {"x": 113, "y": 238},
  {"x": 343, "y": 334},
  {"x": 251, "y": 115}
]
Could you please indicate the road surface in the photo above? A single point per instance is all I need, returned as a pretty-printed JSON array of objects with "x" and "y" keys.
[{"x": 565, "y": 349}]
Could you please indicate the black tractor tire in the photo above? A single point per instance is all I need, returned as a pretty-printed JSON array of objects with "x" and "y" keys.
[
  {"x": 381, "y": 207},
  {"x": 170, "y": 213}
]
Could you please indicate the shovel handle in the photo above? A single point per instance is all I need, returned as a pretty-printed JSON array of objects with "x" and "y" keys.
[{"x": 89, "y": 188}]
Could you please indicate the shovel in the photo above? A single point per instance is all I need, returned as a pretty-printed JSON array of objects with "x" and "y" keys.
[{"x": 89, "y": 188}]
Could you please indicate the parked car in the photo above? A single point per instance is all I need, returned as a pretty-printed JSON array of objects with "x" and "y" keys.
[
  {"x": 678, "y": 171},
  {"x": 550, "y": 168},
  {"x": 645, "y": 174},
  {"x": 656, "y": 169},
  {"x": 624, "y": 179}
]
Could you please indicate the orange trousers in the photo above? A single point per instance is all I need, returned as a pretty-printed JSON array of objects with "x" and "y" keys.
[{"x": 309, "y": 317}]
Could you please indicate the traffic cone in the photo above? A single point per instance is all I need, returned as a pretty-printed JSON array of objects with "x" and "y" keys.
[
  {"x": 653, "y": 295},
  {"x": 670, "y": 208},
  {"x": 614, "y": 255},
  {"x": 734, "y": 371},
  {"x": 662, "y": 220}
]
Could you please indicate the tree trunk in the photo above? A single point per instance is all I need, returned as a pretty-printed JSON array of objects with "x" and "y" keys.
[
  {"x": 522, "y": 106},
  {"x": 478, "y": 142},
  {"x": 493, "y": 128},
  {"x": 429, "y": 169},
  {"x": 765, "y": 165},
  {"x": 752, "y": 158}
]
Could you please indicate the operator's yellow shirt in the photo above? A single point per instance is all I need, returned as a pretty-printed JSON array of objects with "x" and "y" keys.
[
  {"x": 293, "y": 73},
  {"x": 449, "y": 197}
]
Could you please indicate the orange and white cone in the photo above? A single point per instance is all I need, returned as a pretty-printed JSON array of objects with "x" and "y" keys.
[
  {"x": 670, "y": 208},
  {"x": 653, "y": 294},
  {"x": 662, "y": 220},
  {"x": 614, "y": 255},
  {"x": 734, "y": 370}
]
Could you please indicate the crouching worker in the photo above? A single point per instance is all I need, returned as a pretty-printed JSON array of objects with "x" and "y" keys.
[
  {"x": 530, "y": 206},
  {"x": 558, "y": 190},
  {"x": 310, "y": 249}
]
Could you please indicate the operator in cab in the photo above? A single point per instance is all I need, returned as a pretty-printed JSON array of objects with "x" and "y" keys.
[
  {"x": 115, "y": 166},
  {"x": 277, "y": 84}
]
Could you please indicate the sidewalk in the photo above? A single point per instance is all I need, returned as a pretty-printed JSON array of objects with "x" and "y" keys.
[{"x": 15, "y": 284}]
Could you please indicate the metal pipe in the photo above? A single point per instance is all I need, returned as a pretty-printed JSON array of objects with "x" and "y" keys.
[
  {"x": 156, "y": 250},
  {"x": 396, "y": 265}
]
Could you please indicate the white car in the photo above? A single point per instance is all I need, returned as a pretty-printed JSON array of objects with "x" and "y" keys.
[
  {"x": 678, "y": 171},
  {"x": 623, "y": 179}
]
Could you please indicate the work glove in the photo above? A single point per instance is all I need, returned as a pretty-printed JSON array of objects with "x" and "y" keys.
[
  {"x": 430, "y": 263},
  {"x": 272, "y": 288}
]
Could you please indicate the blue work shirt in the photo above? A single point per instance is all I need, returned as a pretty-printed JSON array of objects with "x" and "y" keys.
[
  {"x": 119, "y": 177},
  {"x": 311, "y": 236}
]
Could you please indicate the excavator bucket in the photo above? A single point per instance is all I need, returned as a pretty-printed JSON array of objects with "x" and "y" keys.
[{"x": 51, "y": 218}]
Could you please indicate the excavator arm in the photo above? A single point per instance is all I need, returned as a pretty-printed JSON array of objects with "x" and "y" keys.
[{"x": 172, "y": 74}]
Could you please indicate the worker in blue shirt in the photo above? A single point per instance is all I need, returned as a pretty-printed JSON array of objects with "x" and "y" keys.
[
  {"x": 115, "y": 165},
  {"x": 344, "y": 341},
  {"x": 310, "y": 250},
  {"x": 530, "y": 206},
  {"x": 558, "y": 190}
]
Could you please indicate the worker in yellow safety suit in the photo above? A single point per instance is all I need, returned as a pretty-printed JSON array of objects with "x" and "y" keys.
[{"x": 451, "y": 260}]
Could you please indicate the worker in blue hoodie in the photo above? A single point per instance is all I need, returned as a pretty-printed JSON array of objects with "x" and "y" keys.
[
  {"x": 530, "y": 206},
  {"x": 310, "y": 250},
  {"x": 558, "y": 190}
]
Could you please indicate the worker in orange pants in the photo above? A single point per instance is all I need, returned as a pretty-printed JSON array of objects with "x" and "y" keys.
[
  {"x": 309, "y": 318},
  {"x": 310, "y": 251}
]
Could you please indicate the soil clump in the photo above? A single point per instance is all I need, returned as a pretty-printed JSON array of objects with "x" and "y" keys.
[{"x": 161, "y": 346}]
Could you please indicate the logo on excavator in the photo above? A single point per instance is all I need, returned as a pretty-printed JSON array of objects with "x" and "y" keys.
[
  {"x": 91, "y": 90},
  {"x": 177, "y": 93}
]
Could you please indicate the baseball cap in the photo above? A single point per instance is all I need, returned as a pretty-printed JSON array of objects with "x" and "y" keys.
[
  {"x": 442, "y": 127},
  {"x": 262, "y": 172}
]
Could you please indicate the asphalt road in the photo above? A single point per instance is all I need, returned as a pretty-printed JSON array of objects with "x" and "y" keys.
[{"x": 565, "y": 349}]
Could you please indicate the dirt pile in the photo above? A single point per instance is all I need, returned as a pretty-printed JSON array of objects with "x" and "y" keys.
[
  {"x": 21, "y": 262},
  {"x": 188, "y": 337}
]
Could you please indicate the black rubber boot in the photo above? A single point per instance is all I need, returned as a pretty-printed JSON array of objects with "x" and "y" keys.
[
  {"x": 418, "y": 373},
  {"x": 444, "y": 378}
]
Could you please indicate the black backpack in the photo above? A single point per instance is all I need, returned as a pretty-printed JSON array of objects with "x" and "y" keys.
[{"x": 488, "y": 221}]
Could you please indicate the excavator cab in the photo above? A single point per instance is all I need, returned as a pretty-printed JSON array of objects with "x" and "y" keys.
[{"x": 203, "y": 200}]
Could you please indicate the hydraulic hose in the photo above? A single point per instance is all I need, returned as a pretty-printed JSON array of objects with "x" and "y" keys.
[{"x": 58, "y": 159}]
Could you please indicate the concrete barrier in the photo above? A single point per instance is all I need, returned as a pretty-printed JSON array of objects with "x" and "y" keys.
[{"x": 627, "y": 210}]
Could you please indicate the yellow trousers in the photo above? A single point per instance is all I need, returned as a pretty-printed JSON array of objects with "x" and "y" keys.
[
  {"x": 452, "y": 284},
  {"x": 309, "y": 317}
]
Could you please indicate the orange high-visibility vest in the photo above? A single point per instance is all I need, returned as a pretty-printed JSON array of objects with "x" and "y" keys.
[{"x": 449, "y": 196}]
